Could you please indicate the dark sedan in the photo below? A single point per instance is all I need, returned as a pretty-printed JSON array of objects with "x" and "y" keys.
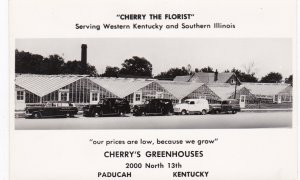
[{"x": 51, "y": 109}]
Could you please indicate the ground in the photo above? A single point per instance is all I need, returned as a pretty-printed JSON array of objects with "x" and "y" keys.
[{"x": 209, "y": 121}]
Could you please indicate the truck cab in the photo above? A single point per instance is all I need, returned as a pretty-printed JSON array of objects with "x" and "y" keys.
[
  {"x": 154, "y": 107},
  {"x": 106, "y": 107},
  {"x": 227, "y": 106}
]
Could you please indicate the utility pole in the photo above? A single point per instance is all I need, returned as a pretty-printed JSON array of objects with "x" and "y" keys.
[{"x": 235, "y": 86}]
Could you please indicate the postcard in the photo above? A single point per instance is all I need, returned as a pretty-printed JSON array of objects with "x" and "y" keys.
[{"x": 153, "y": 89}]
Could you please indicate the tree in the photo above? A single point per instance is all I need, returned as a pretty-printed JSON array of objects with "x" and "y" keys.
[
  {"x": 272, "y": 77},
  {"x": 289, "y": 80},
  {"x": 189, "y": 69},
  {"x": 111, "y": 72},
  {"x": 172, "y": 73},
  {"x": 91, "y": 70},
  {"x": 244, "y": 77},
  {"x": 74, "y": 67},
  {"x": 250, "y": 67},
  {"x": 52, "y": 65},
  {"x": 207, "y": 69},
  {"x": 26, "y": 62},
  {"x": 136, "y": 66}
]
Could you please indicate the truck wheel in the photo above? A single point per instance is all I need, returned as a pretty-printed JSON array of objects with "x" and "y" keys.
[
  {"x": 233, "y": 111},
  {"x": 145, "y": 113},
  {"x": 93, "y": 113},
  {"x": 183, "y": 112},
  {"x": 203, "y": 112},
  {"x": 36, "y": 115}
]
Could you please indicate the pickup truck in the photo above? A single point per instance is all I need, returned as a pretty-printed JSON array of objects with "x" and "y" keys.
[
  {"x": 227, "y": 106},
  {"x": 154, "y": 107},
  {"x": 51, "y": 109},
  {"x": 107, "y": 107}
]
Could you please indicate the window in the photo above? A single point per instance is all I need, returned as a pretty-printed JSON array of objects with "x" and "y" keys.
[
  {"x": 20, "y": 95},
  {"x": 64, "y": 96},
  {"x": 242, "y": 99},
  {"x": 276, "y": 97},
  {"x": 232, "y": 81},
  {"x": 64, "y": 104},
  {"x": 94, "y": 96},
  {"x": 101, "y": 101},
  {"x": 137, "y": 97},
  {"x": 159, "y": 94}
]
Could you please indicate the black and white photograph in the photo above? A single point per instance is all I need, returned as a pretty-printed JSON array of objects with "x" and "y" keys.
[{"x": 153, "y": 83}]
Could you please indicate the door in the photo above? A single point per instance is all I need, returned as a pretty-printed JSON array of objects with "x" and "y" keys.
[
  {"x": 63, "y": 96},
  {"x": 50, "y": 109},
  {"x": 279, "y": 99},
  {"x": 94, "y": 97},
  {"x": 107, "y": 107},
  {"x": 226, "y": 106},
  {"x": 243, "y": 101},
  {"x": 192, "y": 106},
  {"x": 137, "y": 98},
  {"x": 20, "y": 100}
]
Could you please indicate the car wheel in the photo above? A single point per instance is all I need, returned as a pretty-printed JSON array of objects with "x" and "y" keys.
[
  {"x": 100, "y": 114},
  {"x": 233, "y": 111},
  {"x": 71, "y": 115},
  {"x": 183, "y": 112},
  {"x": 217, "y": 112},
  {"x": 121, "y": 113},
  {"x": 36, "y": 115},
  {"x": 203, "y": 112}
]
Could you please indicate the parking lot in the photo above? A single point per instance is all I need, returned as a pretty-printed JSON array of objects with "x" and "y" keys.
[{"x": 209, "y": 121}]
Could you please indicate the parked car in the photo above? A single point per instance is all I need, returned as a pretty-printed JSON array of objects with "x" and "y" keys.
[
  {"x": 227, "y": 106},
  {"x": 192, "y": 106},
  {"x": 106, "y": 107},
  {"x": 154, "y": 107},
  {"x": 51, "y": 109}
]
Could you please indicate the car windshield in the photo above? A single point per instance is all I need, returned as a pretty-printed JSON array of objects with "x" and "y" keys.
[
  {"x": 186, "y": 102},
  {"x": 225, "y": 102},
  {"x": 48, "y": 104}
]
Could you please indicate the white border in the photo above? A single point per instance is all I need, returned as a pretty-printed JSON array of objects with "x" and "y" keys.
[{"x": 4, "y": 108}]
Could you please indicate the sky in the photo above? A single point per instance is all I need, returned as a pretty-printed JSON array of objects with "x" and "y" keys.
[{"x": 267, "y": 54}]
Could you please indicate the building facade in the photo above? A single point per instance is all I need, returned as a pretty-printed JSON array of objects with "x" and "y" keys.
[{"x": 81, "y": 90}]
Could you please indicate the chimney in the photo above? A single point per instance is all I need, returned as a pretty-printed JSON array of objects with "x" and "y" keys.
[
  {"x": 83, "y": 58},
  {"x": 216, "y": 75}
]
